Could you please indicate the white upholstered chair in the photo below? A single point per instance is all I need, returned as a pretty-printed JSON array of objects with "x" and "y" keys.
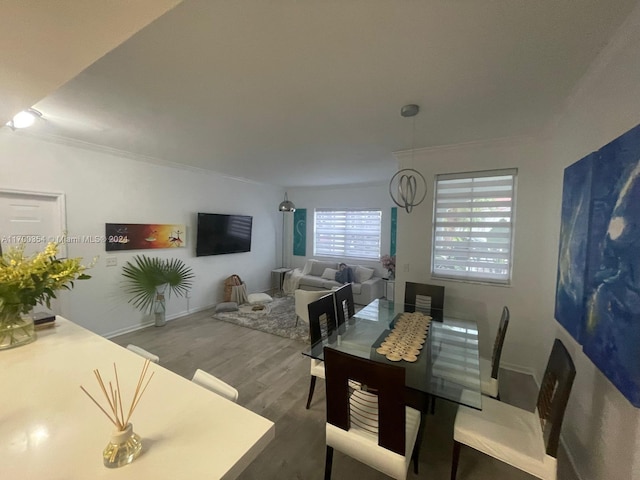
[
  {"x": 376, "y": 429},
  {"x": 490, "y": 368},
  {"x": 143, "y": 353},
  {"x": 525, "y": 440},
  {"x": 216, "y": 385},
  {"x": 302, "y": 300}
]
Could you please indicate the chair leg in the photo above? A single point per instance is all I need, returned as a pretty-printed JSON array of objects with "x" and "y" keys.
[
  {"x": 433, "y": 405},
  {"x": 328, "y": 461},
  {"x": 454, "y": 460},
  {"x": 416, "y": 448},
  {"x": 297, "y": 318},
  {"x": 312, "y": 387}
]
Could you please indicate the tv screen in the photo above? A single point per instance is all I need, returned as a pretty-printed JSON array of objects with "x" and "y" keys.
[{"x": 219, "y": 234}]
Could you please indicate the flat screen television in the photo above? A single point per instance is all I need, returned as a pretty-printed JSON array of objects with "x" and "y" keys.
[{"x": 219, "y": 234}]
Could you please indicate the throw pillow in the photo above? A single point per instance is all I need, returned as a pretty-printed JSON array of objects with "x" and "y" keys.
[
  {"x": 307, "y": 266},
  {"x": 257, "y": 298},
  {"x": 329, "y": 273},
  {"x": 226, "y": 307},
  {"x": 363, "y": 274},
  {"x": 318, "y": 267}
]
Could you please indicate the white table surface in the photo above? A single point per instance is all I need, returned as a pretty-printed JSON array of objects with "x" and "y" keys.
[{"x": 49, "y": 429}]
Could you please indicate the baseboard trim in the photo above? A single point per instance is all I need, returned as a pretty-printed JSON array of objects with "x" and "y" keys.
[{"x": 150, "y": 323}]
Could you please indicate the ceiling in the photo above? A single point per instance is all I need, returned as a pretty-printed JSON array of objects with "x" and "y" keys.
[
  {"x": 305, "y": 93},
  {"x": 44, "y": 44}
]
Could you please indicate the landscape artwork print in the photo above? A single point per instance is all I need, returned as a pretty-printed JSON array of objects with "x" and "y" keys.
[
  {"x": 142, "y": 236},
  {"x": 609, "y": 329}
]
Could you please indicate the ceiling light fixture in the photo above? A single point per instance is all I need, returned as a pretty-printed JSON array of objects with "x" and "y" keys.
[
  {"x": 24, "y": 119},
  {"x": 286, "y": 206},
  {"x": 405, "y": 185}
]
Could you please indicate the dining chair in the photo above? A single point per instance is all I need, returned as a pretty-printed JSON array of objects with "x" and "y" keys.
[
  {"x": 490, "y": 369},
  {"x": 526, "y": 440},
  {"x": 345, "y": 308},
  {"x": 210, "y": 382},
  {"x": 423, "y": 297},
  {"x": 376, "y": 429},
  {"x": 143, "y": 353},
  {"x": 302, "y": 299},
  {"x": 322, "y": 323}
]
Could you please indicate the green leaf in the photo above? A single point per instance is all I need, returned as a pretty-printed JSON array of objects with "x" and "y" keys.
[{"x": 144, "y": 275}]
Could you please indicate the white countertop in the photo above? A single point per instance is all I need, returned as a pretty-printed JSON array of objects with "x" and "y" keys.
[{"x": 49, "y": 429}]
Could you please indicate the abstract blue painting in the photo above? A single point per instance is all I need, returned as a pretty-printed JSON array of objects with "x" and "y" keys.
[
  {"x": 574, "y": 236},
  {"x": 598, "y": 283},
  {"x": 611, "y": 336}
]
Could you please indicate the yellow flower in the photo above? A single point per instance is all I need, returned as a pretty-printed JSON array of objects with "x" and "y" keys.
[{"x": 28, "y": 280}]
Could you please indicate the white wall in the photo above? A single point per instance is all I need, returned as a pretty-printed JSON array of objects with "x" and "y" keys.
[
  {"x": 103, "y": 188},
  {"x": 602, "y": 429},
  {"x": 526, "y": 297},
  {"x": 354, "y": 197}
]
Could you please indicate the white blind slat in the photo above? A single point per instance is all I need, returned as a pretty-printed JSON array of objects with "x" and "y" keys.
[
  {"x": 473, "y": 226},
  {"x": 348, "y": 233}
]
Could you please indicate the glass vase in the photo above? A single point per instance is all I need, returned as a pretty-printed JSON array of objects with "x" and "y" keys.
[
  {"x": 15, "y": 330},
  {"x": 160, "y": 306},
  {"x": 123, "y": 448}
]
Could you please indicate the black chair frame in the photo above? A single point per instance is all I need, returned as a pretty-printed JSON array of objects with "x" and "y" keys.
[
  {"x": 552, "y": 400},
  {"x": 323, "y": 307},
  {"x": 499, "y": 342},
  {"x": 411, "y": 290},
  {"x": 389, "y": 383},
  {"x": 344, "y": 297}
]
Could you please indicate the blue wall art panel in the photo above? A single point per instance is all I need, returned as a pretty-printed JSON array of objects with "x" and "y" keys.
[
  {"x": 394, "y": 230},
  {"x": 572, "y": 257},
  {"x": 612, "y": 326},
  {"x": 300, "y": 232}
]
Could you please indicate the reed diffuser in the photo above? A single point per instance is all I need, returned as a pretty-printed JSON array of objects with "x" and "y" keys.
[{"x": 125, "y": 445}]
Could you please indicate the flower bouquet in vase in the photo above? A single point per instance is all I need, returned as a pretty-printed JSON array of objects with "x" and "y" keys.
[
  {"x": 389, "y": 263},
  {"x": 26, "y": 281}
]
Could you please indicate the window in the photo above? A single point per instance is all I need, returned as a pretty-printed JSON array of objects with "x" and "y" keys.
[
  {"x": 473, "y": 226},
  {"x": 347, "y": 233}
]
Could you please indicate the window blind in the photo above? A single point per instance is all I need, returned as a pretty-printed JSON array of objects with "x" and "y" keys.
[
  {"x": 347, "y": 233},
  {"x": 473, "y": 226}
]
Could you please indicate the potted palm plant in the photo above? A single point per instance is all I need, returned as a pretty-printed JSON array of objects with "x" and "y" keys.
[{"x": 149, "y": 280}]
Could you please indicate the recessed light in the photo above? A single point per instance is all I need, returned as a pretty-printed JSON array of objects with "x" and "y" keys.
[{"x": 24, "y": 119}]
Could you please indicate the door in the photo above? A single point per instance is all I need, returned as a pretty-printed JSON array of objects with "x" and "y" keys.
[{"x": 31, "y": 218}]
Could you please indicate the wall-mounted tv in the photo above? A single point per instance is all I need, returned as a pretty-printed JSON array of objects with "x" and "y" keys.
[{"x": 219, "y": 234}]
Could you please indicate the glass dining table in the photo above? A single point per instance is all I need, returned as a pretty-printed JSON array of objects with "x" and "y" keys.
[{"x": 447, "y": 367}]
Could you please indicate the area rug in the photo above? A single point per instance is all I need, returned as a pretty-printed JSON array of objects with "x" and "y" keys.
[{"x": 278, "y": 319}]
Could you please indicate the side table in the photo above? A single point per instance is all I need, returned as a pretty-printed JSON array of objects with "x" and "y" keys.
[{"x": 277, "y": 278}]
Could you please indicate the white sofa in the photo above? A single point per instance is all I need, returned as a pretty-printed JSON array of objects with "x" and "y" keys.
[{"x": 368, "y": 285}]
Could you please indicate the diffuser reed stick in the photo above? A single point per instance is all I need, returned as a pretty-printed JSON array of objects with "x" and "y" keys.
[{"x": 115, "y": 412}]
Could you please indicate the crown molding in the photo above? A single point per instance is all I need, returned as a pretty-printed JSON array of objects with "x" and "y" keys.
[
  {"x": 503, "y": 141},
  {"x": 147, "y": 159}
]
